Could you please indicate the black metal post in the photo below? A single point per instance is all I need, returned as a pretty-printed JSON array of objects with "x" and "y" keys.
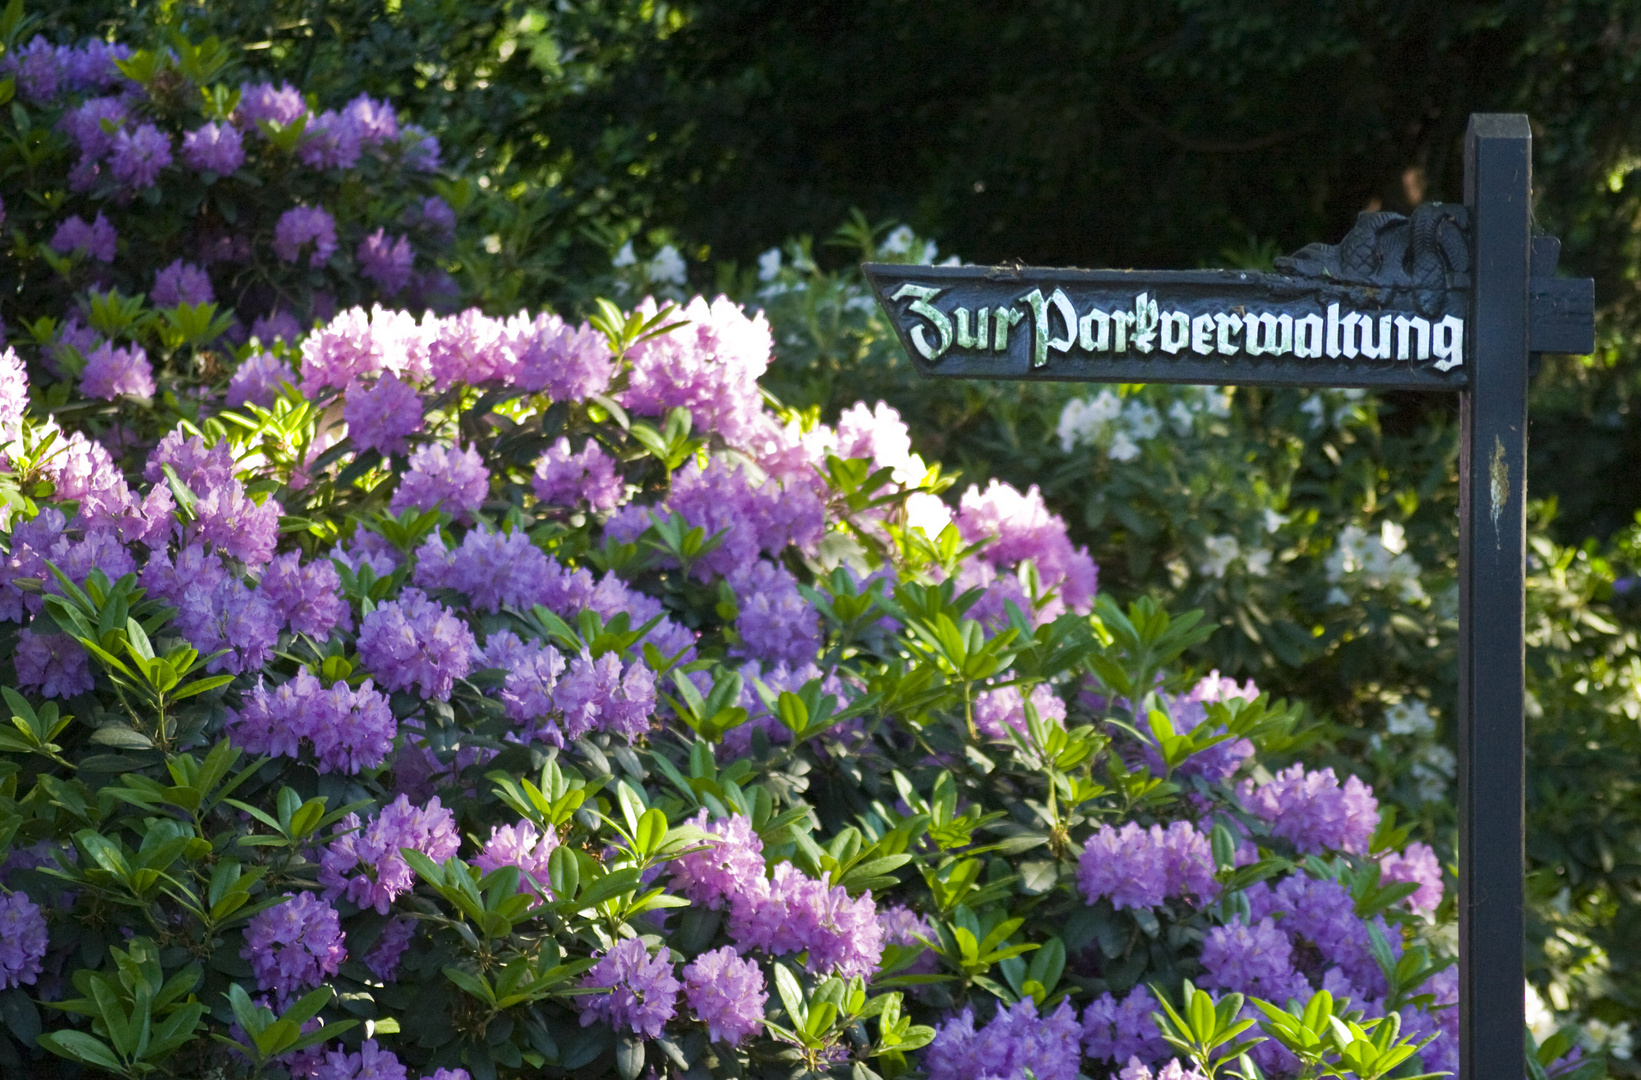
[{"x": 1492, "y": 568}]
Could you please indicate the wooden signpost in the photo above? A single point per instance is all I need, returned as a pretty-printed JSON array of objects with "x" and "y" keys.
[{"x": 1453, "y": 298}]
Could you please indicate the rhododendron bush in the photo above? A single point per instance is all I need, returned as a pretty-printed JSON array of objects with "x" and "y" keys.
[
  {"x": 492, "y": 696},
  {"x": 234, "y": 207}
]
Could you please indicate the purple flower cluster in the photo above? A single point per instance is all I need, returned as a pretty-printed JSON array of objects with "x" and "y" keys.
[
  {"x": 1020, "y": 527},
  {"x": 43, "y": 70},
  {"x": 1319, "y": 918},
  {"x": 568, "y": 363},
  {"x": 710, "y": 365},
  {"x": 791, "y": 912},
  {"x": 257, "y": 380},
  {"x": 1137, "y": 867},
  {"x": 775, "y": 623},
  {"x": 1417, "y": 864},
  {"x": 413, "y": 641},
  {"x": 523, "y": 846},
  {"x": 493, "y": 569},
  {"x": 727, "y": 994},
  {"x": 383, "y": 957},
  {"x": 449, "y": 478},
  {"x": 214, "y": 609},
  {"x": 1314, "y": 812},
  {"x": 358, "y": 343},
  {"x": 307, "y": 597},
  {"x": 13, "y": 394},
  {"x": 1017, "y": 1039},
  {"x": 110, "y": 372},
  {"x": 386, "y": 261},
  {"x": 267, "y": 103},
  {"x": 53, "y": 664},
  {"x": 303, "y": 225},
  {"x": 730, "y": 864},
  {"x": 365, "y": 864},
  {"x": 181, "y": 283},
  {"x": 371, "y": 1062},
  {"x": 566, "y": 479},
  {"x": 598, "y": 693},
  {"x": 94, "y": 239},
  {"x": 996, "y": 712},
  {"x": 1117, "y": 1031},
  {"x": 138, "y": 156},
  {"x": 216, "y": 148},
  {"x": 754, "y": 516},
  {"x": 23, "y": 940},
  {"x": 1252, "y": 959},
  {"x": 295, "y": 945},
  {"x": 1137, "y": 1070},
  {"x": 348, "y": 730},
  {"x": 538, "y": 355},
  {"x": 84, "y": 124},
  {"x": 642, "y": 993},
  {"x": 225, "y": 515},
  {"x": 380, "y": 417},
  {"x": 1220, "y": 761},
  {"x": 532, "y": 673},
  {"x": 468, "y": 348}
]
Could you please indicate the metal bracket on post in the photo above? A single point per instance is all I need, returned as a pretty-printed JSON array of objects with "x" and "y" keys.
[{"x": 1492, "y": 597}]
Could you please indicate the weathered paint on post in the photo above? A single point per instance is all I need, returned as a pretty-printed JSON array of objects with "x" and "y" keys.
[{"x": 1492, "y": 596}]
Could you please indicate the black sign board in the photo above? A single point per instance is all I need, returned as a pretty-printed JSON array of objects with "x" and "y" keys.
[{"x": 1452, "y": 298}]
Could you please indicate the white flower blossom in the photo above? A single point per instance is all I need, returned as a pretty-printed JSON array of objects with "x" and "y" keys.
[
  {"x": 1615, "y": 1039},
  {"x": 898, "y": 242},
  {"x": 927, "y": 512},
  {"x": 1258, "y": 561},
  {"x": 668, "y": 266},
  {"x": 769, "y": 264},
  {"x": 1369, "y": 563},
  {"x": 624, "y": 257},
  {"x": 1182, "y": 416},
  {"x": 1541, "y": 1019},
  {"x": 1123, "y": 448},
  {"x": 1222, "y": 552},
  {"x": 1316, "y": 409},
  {"x": 1085, "y": 420},
  {"x": 1274, "y": 520},
  {"x": 1144, "y": 422},
  {"x": 1409, "y": 718}
]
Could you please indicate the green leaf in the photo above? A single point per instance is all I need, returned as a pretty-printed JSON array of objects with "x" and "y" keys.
[{"x": 79, "y": 1046}]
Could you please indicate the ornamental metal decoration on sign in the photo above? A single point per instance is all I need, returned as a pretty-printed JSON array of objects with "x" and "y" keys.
[{"x": 1451, "y": 298}]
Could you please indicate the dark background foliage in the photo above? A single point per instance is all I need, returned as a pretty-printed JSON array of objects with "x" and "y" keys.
[{"x": 1136, "y": 133}]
